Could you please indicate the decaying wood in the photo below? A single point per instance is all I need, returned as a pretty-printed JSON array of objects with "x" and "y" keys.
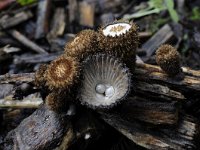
[
  {"x": 26, "y": 103},
  {"x": 26, "y": 42},
  {"x": 58, "y": 24},
  {"x": 46, "y": 129},
  {"x": 37, "y": 58},
  {"x": 17, "y": 78},
  {"x": 189, "y": 81},
  {"x": 145, "y": 109},
  {"x": 149, "y": 78},
  {"x": 161, "y": 37},
  {"x": 5, "y": 89},
  {"x": 42, "y": 130},
  {"x": 150, "y": 111},
  {"x": 162, "y": 92},
  {"x": 182, "y": 136},
  {"x": 7, "y": 22},
  {"x": 86, "y": 12},
  {"x": 42, "y": 18},
  {"x": 144, "y": 34},
  {"x": 151, "y": 116}
]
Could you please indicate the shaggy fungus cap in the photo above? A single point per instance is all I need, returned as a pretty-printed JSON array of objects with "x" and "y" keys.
[
  {"x": 84, "y": 43},
  {"x": 168, "y": 58},
  {"x": 105, "y": 82},
  {"x": 62, "y": 73},
  {"x": 40, "y": 79},
  {"x": 119, "y": 38}
]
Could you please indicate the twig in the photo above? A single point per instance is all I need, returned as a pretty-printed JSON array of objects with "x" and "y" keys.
[
  {"x": 42, "y": 18},
  {"x": 38, "y": 58},
  {"x": 16, "y": 19},
  {"x": 25, "y": 41},
  {"x": 26, "y": 103},
  {"x": 17, "y": 78}
]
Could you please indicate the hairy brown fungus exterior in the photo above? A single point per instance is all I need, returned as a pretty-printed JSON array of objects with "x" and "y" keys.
[
  {"x": 62, "y": 73},
  {"x": 56, "y": 101},
  {"x": 119, "y": 38},
  {"x": 84, "y": 43},
  {"x": 105, "y": 82},
  {"x": 168, "y": 58},
  {"x": 40, "y": 79}
]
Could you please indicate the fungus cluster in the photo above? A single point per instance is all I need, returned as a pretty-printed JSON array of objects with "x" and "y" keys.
[
  {"x": 99, "y": 65},
  {"x": 96, "y": 60}
]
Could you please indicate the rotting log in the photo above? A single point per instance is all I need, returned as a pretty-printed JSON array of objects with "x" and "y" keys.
[
  {"x": 146, "y": 110},
  {"x": 46, "y": 129},
  {"x": 150, "y": 111},
  {"x": 146, "y": 78},
  {"x": 157, "y": 122},
  {"x": 189, "y": 81},
  {"x": 147, "y": 122},
  {"x": 42, "y": 130},
  {"x": 182, "y": 137}
]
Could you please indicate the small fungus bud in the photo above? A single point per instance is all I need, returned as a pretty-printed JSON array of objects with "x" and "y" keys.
[
  {"x": 84, "y": 43},
  {"x": 168, "y": 58}
]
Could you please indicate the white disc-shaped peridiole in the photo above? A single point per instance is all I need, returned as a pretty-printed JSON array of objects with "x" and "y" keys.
[{"x": 105, "y": 81}]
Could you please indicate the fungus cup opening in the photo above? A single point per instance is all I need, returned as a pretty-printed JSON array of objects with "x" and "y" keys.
[
  {"x": 116, "y": 29},
  {"x": 106, "y": 81}
]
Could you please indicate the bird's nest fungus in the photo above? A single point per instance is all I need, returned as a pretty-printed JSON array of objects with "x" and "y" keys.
[{"x": 99, "y": 65}]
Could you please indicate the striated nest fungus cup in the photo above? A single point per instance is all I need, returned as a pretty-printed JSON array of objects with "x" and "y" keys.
[
  {"x": 168, "y": 58},
  {"x": 119, "y": 38},
  {"x": 62, "y": 73},
  {"x": 105, "y": 82},
  {"x": 84, "y": 43}
]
